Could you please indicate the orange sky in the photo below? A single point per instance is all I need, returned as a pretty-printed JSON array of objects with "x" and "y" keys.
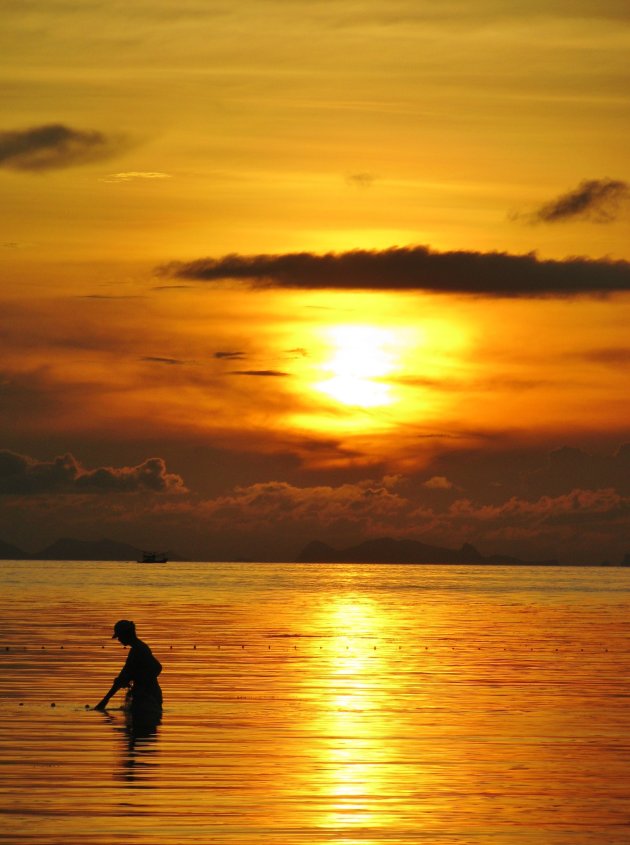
[{"x": 493, "y": 409}]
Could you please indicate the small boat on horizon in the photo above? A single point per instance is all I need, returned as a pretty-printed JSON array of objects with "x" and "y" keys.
[{"x": 153, "y": 557}]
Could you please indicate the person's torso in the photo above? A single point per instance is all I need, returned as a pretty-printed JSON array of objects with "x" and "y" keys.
[{"x": 143, "y": 667}]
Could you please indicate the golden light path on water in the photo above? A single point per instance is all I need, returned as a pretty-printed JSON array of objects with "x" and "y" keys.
[{"x": 313, "y": 704}]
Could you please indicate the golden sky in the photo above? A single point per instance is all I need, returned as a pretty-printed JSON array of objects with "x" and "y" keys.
[{"x": 294, "y": 249}]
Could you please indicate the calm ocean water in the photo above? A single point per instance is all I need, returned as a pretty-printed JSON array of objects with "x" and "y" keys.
[{"x": 317, "y": 704}]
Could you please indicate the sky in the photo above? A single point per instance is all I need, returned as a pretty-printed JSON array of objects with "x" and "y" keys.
[{"x": 284, "y": 270}]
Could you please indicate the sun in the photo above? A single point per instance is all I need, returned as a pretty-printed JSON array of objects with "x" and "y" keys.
[{"x": 361, "y": 358}]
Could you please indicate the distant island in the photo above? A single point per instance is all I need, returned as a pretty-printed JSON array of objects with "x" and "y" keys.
[
  {"x": 68, "y": 548},
  {"x": 379, "y": 550},
  {"x": 388, "y": 550}
]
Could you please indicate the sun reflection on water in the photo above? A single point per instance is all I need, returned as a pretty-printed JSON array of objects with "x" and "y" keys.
[
  {"x": 351, "y": 697},
  {"x": 354, "y": 704}
]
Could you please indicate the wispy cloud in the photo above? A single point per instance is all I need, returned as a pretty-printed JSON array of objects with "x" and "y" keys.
[
  {"x": 109, "y": 296},
  {"x": 419, "y": 268},
  {"x": 55, "y": 146},
  {"x": 229, "y": 356},
  {"x": 597, "y": 200},
  {"x": 153, "y": 359},
  {"x": 134, "y": 175},
  {"x": 613, "y": 356},
  {"x": 264, "y": 373},
  {"x": 360, "y": 180}
]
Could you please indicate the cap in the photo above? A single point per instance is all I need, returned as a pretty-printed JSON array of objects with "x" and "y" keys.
[{"x": 123, "y": 626}]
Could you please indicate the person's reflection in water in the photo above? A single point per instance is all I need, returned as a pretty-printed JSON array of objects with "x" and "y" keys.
[
  {"x": 143, "y": 702},
  {"x": 138, "y": 749}
]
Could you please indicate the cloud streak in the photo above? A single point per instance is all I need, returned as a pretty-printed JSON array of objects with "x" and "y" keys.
[
  {"x": 55, "y": 146},
  {"x": 24, "y": 475},
  {"x": 134, "y": 176},
  {"x": 414, "y": 268},
  {"x": 597, "y": 200},
  {"x": 264, "y": 373},
  {"x": 229, "y": 356},
  {"x": 152, "y": 359},
  {"x": 616, "y": 357}
]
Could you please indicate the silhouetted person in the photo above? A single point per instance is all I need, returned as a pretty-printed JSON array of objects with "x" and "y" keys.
[{"x": 139, "y": 675}]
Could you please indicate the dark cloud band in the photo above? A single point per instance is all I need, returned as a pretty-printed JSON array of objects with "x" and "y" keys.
[
  {"x": 55, "y": 146},
  {"x": 416, "y": 268}
]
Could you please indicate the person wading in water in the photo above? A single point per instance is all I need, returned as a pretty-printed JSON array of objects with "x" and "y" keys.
[{"x": 139, "y": 675}]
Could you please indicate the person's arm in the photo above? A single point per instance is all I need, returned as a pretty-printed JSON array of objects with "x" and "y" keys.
[
  {"x": 112, "y": 691},
  {"x": 121, "y": 681}
]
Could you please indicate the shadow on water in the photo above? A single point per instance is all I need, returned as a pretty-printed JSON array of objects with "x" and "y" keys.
[{"x": 137, "y": 750}]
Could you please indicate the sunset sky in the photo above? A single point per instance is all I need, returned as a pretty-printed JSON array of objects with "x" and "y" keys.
[{"x": 282, "y": 270}]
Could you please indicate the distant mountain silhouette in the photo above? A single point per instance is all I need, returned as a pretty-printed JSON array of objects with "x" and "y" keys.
[
  {"x": 10, "y": 552},
  {"x": 67, "y": 548},
  {"x": 388, "y": 550}
]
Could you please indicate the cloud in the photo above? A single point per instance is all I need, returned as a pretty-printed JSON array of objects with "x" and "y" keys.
[
  {"x": 272, "y": 373},
  {"x": 55, "y": 146},
  {"x": 133, "y": 175},
  {"x": 438, "y": 482},
  {"x": 360, "y": 180},
  {"x": 598, "y": 200},
  {"x": 418, "y": 268},
  {"x": 229, "y": 356},
  {"x": 367, "y": 503},
  {"x": 570, "y": 509},
  {"x": 109, "y": 296},
  {"x": 578, "y": 509},
  {"x": 24, "y": 475},
  {"x": 151, "y": 359},
  {"x": 454, "y": 385},
  {"x": 576, "y": 525},
  {"x": 613, "y": 356},
  {"x": 569, "y": 468}
]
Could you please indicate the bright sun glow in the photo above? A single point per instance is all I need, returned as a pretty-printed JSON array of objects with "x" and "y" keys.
[
  {"x": 361, "y": 359},
  {"x": 377, "y": 374}
]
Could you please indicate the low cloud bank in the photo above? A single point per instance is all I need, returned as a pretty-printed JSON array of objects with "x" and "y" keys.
[
  {"x": 567, "y": 504},
  {"x": 418, "y": 268},
  {"x": 581, "y": 525},
  {"x": 380, "y": 505},
  {"x": 23, "y": 475}
]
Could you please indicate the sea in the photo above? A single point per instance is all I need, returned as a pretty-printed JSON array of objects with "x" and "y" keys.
[{"x": 306, "y": 703}]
